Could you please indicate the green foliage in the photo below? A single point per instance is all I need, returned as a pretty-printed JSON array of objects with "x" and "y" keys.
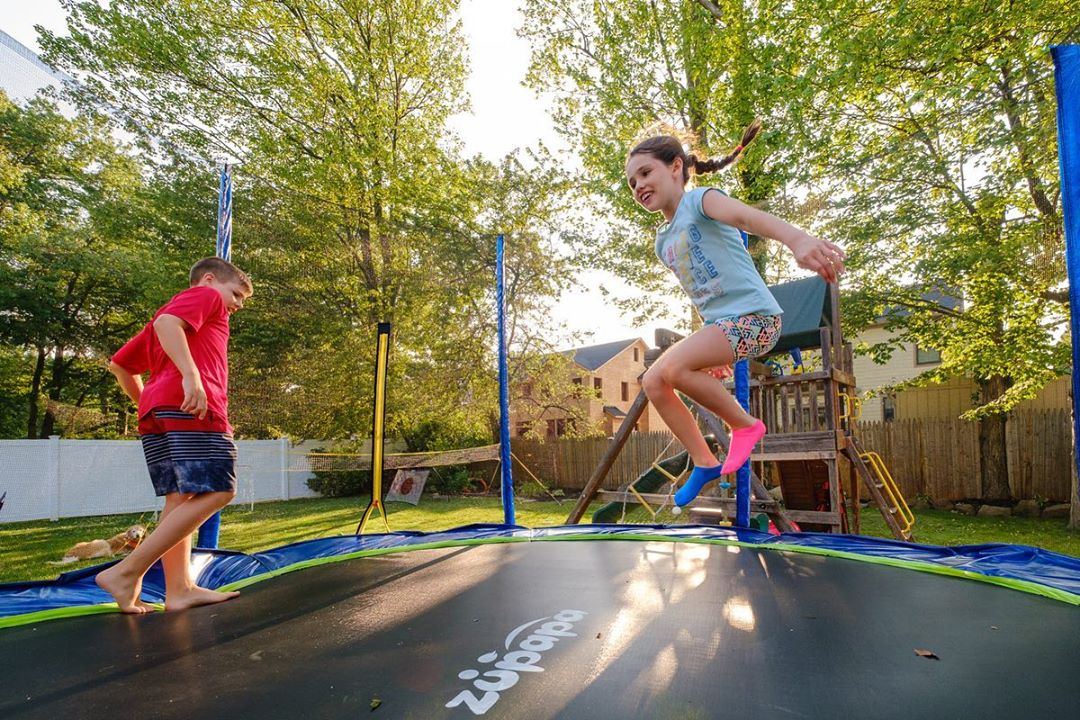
[
  {"x": 616, "y": 69},
  {"x": 352, "y": 203},
  {"x": 340, "y": 483},
  {"x": 452, "y": 480},
  {"x": 334, "y": 482},
  {"x": 918, "y": 135},
  {"x": 442, "y": 434},
  {"x": 82, "y": 263},
  {"x": 934, "y": 142}
]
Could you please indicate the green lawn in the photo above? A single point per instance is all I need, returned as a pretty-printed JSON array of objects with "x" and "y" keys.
[{"x": 26, "y": 548}]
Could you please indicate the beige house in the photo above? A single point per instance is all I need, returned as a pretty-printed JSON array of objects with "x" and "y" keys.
[
  {"x": 945, "y": 400},
  {"x": 613, "y": 372}
]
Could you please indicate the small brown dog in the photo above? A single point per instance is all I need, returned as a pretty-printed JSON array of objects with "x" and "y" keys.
[{"x": 120, "y": 543}]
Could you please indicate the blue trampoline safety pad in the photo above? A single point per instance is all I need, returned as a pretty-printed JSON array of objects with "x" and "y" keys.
[{"x": 1016, "y": 566}]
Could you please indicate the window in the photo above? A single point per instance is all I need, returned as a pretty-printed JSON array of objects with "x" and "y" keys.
[
  {"x": 598, "y": 386},
  {"x": 625, "y": 391},
  {"x": 523, "y": 427},
  {"x": 888, "y": 408},
  {"x": 576, "y": 381},
  {"x": 635, "y": 354},
  {"x": 926, "y": 356},
  {"x": 556, "y": 428}
]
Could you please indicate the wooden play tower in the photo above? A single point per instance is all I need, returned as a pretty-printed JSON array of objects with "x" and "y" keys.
[{"x": 812, "y": 445}]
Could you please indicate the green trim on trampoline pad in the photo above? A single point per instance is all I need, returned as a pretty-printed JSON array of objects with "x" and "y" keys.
[
  {"x": 916, "y": 565},
  {"x": 64, "y": 612}
]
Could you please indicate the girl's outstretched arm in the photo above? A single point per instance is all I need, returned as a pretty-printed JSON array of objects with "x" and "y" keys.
[{"x": 811, "y": 253}]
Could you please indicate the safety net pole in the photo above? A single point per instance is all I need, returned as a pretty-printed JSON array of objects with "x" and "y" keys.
[
  {"x": 1067, "y": 81},
  {"x": 742, "y": 475},
  {"x": 210, "y": 531},
  {"x": 507, "y": 476},
  {"x": 382, "y": 354}
]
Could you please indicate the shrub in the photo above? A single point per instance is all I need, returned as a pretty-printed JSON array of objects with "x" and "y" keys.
[
  {"x": 453, "y": 480},
  {"x": 340, "y": 483}
]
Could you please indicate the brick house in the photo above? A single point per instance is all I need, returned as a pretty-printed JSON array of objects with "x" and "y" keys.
[{"x": 613, "y": 372}]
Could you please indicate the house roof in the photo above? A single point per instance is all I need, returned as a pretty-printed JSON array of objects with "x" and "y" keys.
[
  {"x": 594, "y": 356},
  {"x": 947, "y": 301}
]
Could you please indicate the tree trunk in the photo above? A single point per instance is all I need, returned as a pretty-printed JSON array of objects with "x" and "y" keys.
[
  {"x": 992, "y": 447},
  {"x": 35, "y": 393},
  {"x": 48, "y": 425}
]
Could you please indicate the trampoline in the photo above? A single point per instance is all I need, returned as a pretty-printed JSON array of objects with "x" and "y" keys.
[{"x": 572, "y": 622}]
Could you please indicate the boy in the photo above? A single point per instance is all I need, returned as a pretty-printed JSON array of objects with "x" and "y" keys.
[{"x": 184, "y": 428}]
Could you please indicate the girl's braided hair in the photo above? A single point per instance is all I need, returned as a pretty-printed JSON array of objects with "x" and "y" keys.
[{"x": 668, "y": 147}]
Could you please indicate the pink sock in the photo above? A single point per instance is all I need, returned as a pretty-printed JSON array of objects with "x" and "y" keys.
[{"x": 743, "y": 441}]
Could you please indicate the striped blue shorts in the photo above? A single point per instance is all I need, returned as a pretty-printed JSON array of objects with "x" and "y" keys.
[{"x": 187, "y": 455}]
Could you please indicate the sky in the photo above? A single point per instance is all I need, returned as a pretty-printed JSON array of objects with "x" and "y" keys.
[{"x": 505, "y": 115}]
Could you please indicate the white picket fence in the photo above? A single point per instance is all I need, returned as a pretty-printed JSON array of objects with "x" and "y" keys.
[{"x": 55, "y": 478}]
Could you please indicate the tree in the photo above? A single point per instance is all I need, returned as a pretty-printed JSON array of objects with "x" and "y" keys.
[
  {"x": 77, "y": 260},
  {"x": 354, "y": 203},
  {"x": 920, "y": 136},
  {"x": 939, "y": 165},
  {"x": 618, "y": 68}
]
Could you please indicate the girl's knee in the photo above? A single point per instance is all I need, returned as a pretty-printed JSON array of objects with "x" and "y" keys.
[
  {"x": 653, "y": 382},
  {"x": 670, "y": 376}
]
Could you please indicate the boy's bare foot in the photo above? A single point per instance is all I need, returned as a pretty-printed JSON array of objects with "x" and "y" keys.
[
  {"x": 196, "y": 596},
  {"x": 124, "y": 591}
]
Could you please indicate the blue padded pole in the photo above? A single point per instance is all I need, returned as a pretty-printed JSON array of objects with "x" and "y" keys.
[
  {"x": 742, "y": 476},
  {"x": 210, "y": 530},
  {"x": 504, "y": 392},
  {"x": 1067, "y": 80}
]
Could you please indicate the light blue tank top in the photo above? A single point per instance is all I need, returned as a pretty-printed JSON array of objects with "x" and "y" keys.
[{"x": 713, "y": 267}]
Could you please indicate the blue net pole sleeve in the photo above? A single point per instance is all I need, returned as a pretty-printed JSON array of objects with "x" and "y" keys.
[
  {"x": 504, "y": 391},
  {"x": 742, "y": 476},
  {"x": 1067, "y": 81}
]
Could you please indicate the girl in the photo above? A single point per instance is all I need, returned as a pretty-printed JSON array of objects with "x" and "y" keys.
[{"x": 700, "y": 242}]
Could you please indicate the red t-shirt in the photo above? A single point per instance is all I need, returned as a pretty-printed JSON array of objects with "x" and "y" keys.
[{"x": 204, "y": 311}]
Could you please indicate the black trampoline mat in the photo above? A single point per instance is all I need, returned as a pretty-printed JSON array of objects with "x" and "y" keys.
[{"x": 604, "y": 629}]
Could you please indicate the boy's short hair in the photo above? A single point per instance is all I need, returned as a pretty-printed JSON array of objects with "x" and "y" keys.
[{"x": 223, "y": 270}]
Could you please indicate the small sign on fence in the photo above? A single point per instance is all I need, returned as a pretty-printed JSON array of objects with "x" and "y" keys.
[{"x": 407, "y": 487}]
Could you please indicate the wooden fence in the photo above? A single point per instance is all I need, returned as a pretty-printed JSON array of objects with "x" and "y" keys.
[
  {"x": 568, "y": 463},
  {"x": 937, "y": 458},
  {"x": 941, "y": 458}
]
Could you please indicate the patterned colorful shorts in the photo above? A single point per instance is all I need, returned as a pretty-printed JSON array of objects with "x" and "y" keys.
[
  {"x": 187, "y": 455},
  {"x": 750, "y": 335}
]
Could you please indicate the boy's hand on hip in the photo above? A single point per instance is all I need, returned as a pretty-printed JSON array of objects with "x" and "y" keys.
[
  {"x": 194, "y": 396},
  {"x": 821, "y": 256}
]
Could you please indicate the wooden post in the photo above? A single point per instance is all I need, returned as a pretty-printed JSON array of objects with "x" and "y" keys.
[
  {"x": 834, "y": 320},
  {"x": 601, "y": 471}
]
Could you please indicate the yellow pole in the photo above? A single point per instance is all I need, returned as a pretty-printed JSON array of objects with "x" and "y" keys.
[{"x": 382, "y": 354}]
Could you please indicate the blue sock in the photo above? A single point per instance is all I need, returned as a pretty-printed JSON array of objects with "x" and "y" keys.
[{"x": 697, "y": 480}]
